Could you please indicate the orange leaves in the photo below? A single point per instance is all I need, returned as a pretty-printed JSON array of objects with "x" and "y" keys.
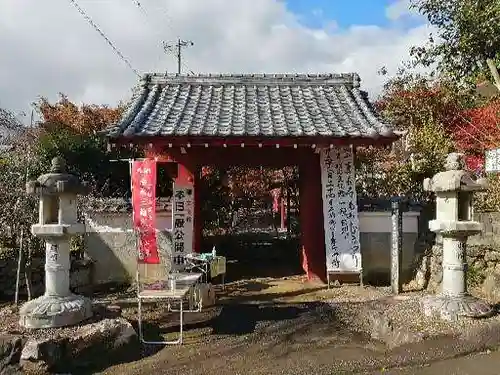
[{"x": 84, "y": 119}]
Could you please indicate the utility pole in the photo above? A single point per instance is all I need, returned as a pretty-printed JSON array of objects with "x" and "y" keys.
[{"x": 177, "y": 49}]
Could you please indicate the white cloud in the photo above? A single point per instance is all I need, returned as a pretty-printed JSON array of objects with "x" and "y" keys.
[
  {"x": 47, "y": 47},
  {"x": 399, "y": 9}
]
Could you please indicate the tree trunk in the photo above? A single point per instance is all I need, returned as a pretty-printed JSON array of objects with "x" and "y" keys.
[{"x": 494, "y": 73}]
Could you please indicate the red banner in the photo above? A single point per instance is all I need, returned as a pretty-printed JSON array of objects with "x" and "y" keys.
[{"x": 143, "y": 181}]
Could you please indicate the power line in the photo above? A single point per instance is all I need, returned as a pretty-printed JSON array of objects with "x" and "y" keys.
[
  {"x": 167, "y": 47},
  {"x": 96, "y": 28}
]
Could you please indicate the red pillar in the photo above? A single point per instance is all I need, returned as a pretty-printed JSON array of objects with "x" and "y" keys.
[
  {"x": 198, "y": 221},
  {"x": 311, "y": 218}
]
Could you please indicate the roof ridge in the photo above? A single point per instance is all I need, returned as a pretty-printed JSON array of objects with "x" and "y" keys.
[{"x": 337, "y": 79}]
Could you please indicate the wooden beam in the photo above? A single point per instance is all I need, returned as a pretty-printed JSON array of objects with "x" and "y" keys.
[{"x": 248, "y": 141}]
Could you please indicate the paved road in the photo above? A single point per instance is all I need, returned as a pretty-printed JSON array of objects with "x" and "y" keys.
[{"x": 479, "y": 364}]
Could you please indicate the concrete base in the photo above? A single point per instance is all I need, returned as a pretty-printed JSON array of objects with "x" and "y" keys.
[
  {"x": 53, "y": 311},
  {"x": 452, "y": 308}
]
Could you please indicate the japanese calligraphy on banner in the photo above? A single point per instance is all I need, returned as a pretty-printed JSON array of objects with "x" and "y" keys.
[
  {"x": 143, "y": 181},
  {"x": 182, "y": 217},
  {"x": 340, "y": 211}
]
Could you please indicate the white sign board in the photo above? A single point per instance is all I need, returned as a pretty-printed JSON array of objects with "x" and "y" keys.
[
  {"x": 340, "y": 210},
  {"x": 492, "y": 161},
  {"x": 182, "y": 224}
]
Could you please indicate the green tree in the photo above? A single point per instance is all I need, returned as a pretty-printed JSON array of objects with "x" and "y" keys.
[{"x": 467, "y": 45}]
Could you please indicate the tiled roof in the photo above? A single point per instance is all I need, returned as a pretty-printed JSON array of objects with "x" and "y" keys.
[{"x": 261, "y": 105}]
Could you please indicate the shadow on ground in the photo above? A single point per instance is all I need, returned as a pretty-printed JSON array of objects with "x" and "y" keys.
[{"x": 233, "y": 330}]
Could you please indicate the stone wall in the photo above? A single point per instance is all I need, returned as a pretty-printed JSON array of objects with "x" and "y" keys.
[
  {"x": 375, "y": 240},
  {"x": 483, "y": 250},
  {"x": 490, "y": 237},
  {"x": 110, "y": 243},
  {"x": 481, "y": 263}
]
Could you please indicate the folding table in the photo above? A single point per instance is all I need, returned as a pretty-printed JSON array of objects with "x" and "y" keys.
[{"x": 181, "y": 289}]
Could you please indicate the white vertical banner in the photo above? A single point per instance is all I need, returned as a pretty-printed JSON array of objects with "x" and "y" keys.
[
  {"x": 340, "y": 210},
  {"x": 182, "y": 224}
]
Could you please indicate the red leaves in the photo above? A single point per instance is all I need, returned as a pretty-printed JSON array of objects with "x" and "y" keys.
[
  {"x": 475, "y": 162},
  {"x": 478, "y": 129}
]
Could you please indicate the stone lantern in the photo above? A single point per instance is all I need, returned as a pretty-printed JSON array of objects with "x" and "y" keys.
[
  {"x": 454, "y": 189},
  {"x": 57, "y": 223}
]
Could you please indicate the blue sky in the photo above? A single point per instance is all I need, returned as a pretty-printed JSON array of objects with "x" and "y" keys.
[{"x": 345, "y": 13}]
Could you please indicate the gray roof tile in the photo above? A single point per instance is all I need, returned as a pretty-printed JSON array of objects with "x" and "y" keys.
[{"x": 270, "y": 105}]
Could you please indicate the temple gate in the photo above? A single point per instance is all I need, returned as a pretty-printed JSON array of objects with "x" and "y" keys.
[{"x": 270, "y": 120}]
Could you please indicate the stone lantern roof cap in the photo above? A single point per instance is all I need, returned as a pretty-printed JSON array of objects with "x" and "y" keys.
[
  {"x": 454, "y": 178},
  {"x": 57, "y": 181}
]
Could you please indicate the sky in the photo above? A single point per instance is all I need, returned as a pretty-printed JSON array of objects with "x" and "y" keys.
[{"x": 48, "y": 47}]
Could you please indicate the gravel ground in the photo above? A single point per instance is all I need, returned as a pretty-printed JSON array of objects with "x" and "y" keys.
[{"x": 272, "y": 326}]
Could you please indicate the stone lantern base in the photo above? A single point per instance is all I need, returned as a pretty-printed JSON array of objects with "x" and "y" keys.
[
  {"x": 452, "y": 308},
  {"x": 54, "y": 311}
]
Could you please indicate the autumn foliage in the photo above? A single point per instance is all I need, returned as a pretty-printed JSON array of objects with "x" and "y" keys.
[
  {"x": 70, "y": 130},
  {"x": 476, "y": 131},
  {"x": 410, "y": 102},
  {"x": 474, "y": 127},
  {"x": 85, "y": 119},
  {"x": 243, "y": 190}
]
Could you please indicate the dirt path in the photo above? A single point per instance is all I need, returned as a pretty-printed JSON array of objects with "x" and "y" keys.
[
  {"x": 277, "y": 326},
  {"x": 260, "y": 339},
  {"x": 479, "y": 364},
  {"x": 260, "y": 326}
]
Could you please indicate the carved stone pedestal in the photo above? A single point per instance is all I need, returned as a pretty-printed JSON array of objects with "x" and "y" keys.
[
  {"x": 452, "y": 308},
  {"x": 55, "y": 311}
]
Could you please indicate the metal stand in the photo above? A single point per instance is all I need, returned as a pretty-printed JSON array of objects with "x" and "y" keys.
[
  {"x": 186, "y": 287},
  {"x": 335, "y": 274},
  {"x": 173, "y": 342}
]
